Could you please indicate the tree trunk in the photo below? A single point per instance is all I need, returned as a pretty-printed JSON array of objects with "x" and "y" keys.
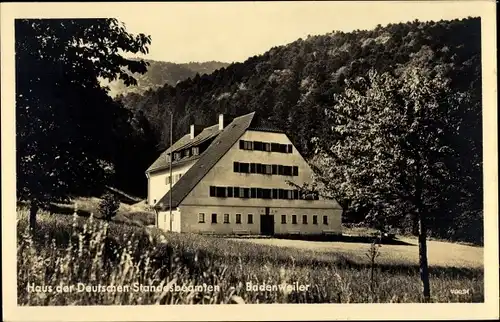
[
  {"x": 33, "y": 211},
  {"x": 421, "y": 215},
  {"x": 422, "y": 252}
]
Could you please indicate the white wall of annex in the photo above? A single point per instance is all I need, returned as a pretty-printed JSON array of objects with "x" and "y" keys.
[{"x": 158, "y": 185}]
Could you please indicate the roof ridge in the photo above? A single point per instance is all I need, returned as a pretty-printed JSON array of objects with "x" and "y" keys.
[{"x": 208, "y": 159}]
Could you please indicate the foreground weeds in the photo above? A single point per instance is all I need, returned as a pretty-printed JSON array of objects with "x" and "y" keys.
[{"x": 60, "y": 262}]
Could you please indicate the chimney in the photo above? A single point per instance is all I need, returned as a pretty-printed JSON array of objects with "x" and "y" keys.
[
  {"x": 221, "y": 122},
  {"x": 191, "y": 132}
]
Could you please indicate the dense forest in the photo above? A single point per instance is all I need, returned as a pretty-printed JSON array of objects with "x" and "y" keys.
[
  {"x": 160, "y": 73},
  {"x": 293, "y": 86},
  {"x": 390, "y": 118}
]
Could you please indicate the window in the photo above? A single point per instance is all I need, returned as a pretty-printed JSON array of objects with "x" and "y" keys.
[
  {"x": 258, "y": 167},
  {"x": 201, "y": 218},
  {"x": 283, "y": 219},
  {"x": 253, "y": 192},
  {"x": 259, "y": 193},
  {"x": 295, "y": 194},
  {"x": 196, "y": 150},
  {"x": 259, "y": 146},
  {"x": 246, "y": 192},
  {"x": 266, "y": 193},
  {"x": 226, "y": 218},
  {"x": 287, "y": 170},
  {"x": 214, "y": 218},
  {"x": 246, "y": 145},
  {"x": 168, "y": 180},
  {"x": 294, "y": 219},
  {"x": 325, "y": 220},
  {"x": 236, "y": 192},
  {"x": 275, "y": 193},
  {"x": 304, "y": 219},
  {"x": 238, "y": 218},
  {"x": 289, "y": 148},
  {"x": 220, "y": 192},
  {"x": 269, "y": 169},
  {"x": 244, "y": 167},
  {"x": 267, "y": 147},
  {"x": 250, "y": 218},
  {"x": 212, "y": 191},
  {"x": 275, "y": 169},
  {"x": 187, "y": 152},
  {"x": 289, "y": 194},
  {"x": 252, "y": 167},
  {"x": 230, "y": 192},
  {"x": 280, "y": 169},
  {"x": 295, "y": 170},
  {"x": 177, "y": 156},
  {"x": 236, "y": 166},
  {"x": 315, "y": 219}
]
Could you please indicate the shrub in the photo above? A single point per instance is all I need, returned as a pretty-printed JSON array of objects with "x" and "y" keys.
[{"x": 109, "y": 206}]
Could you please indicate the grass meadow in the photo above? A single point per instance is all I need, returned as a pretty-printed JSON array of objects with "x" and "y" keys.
[{"x": 68, "y": 249}]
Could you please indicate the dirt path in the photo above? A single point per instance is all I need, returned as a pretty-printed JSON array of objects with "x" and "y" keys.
[{"x": 439, "y": 253}]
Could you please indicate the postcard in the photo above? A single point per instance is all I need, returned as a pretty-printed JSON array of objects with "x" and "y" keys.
[{"x": 184, "y": 160}]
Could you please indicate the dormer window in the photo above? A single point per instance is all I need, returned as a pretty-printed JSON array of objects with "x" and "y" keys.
[
  {"x": 177, "y": 156},
  {"x": 196, "y": 150},
  {"x": 187, "y": 152}
]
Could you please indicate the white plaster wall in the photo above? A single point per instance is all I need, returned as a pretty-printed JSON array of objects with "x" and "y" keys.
[
  {"x": 222, "y": 175},
  {"x": 164, "y": 220},
  {"x": 189, "y": 220},
  {"x": 157, "y": 181}
]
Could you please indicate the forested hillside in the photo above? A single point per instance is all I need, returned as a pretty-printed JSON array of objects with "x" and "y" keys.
[
  {"x": 294, "y": 85},
  {"x": 291, "y": 85},
  {"x": 160, "y": 73}
]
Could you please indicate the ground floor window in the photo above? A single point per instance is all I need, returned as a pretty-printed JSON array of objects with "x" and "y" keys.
[
  {"x": 315, "y": 219},
  {"x": 325, "y": 220},
  {"x": 226, "y": 218},
  {"x": 238, "y": 218},
  {"x": 294, "y": 219},
  {"x": 214, "y": 218},
  {"x": 201, "y": 218},
  {"x": 304, "y": 219},
  {"x": 283, "y": 219},
  {"x": 250, "y": 218}
]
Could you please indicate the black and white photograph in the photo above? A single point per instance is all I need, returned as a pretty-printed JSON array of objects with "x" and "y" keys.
[{"x": 173, "y": 154}]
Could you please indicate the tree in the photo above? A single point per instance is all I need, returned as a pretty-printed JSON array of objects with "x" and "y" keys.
[
  {"x": 388, "y": 148},
  {"x": 109, "y": 206},
  {"x": 65, "y": 120}
]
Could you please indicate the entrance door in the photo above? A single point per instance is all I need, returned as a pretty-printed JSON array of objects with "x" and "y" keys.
[{"x": 267, "y": 223}]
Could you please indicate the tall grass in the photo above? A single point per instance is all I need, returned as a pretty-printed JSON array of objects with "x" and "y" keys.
[{"x": 67, "y": 250}]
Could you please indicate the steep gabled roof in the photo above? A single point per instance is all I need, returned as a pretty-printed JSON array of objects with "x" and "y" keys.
[
  {"x": 162, "y": 162},
  {"x": 215, "y": 151}
]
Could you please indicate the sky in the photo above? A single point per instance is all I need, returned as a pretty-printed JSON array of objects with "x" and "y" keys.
[{"x": 235, "y": 31}]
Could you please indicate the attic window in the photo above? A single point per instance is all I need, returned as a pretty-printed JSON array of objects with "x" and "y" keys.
[
  {"x": 177, "y": 156},
  {"x": 187, "y": 152},
  {"x": 196, "y": 150}
]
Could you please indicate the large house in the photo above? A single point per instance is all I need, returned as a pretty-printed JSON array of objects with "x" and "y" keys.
[{"x": 234, "y": 178}]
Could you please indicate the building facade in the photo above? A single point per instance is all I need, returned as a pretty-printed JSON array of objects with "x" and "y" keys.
[{"x": 238, "y": 178}]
